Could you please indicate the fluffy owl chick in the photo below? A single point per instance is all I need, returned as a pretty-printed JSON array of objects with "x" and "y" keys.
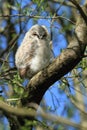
[{"x": 34, "y": 53}]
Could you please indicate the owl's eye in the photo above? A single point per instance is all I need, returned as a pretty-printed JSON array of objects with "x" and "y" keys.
[
  {"x": 44, "y": 36},
  {"x": 40, "y": 36},
  {"x": 35, "y": 34}
]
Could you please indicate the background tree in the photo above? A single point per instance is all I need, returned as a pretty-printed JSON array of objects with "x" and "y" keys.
[{"x": 28, "y": 104}]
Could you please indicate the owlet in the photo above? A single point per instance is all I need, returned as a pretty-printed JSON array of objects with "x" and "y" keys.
[{"x": 34, "y": 53}]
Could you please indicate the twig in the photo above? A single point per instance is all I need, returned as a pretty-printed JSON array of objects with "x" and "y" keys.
[
  {"x": 69, "y": 4},
  {"x": 41, "y": 17},
  {"x": 80, "y": 10}
]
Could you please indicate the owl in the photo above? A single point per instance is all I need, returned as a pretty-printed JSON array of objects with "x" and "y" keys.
[{"x": 34, "y": 53}]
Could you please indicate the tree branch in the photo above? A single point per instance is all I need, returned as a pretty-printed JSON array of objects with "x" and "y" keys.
[
  {"x": 69, "y": 4},
  {"x": 82, "y": 12},
  {"x": 37, "y": 17},
  {"x": 68, "y": 59},
  {"x": 23, "y": 112}
]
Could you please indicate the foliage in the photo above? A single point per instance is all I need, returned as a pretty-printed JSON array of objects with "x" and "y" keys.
[{"x": 16, "y": 17}]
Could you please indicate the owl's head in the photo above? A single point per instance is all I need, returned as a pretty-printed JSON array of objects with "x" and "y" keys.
[{"x": 40, "y": 32}]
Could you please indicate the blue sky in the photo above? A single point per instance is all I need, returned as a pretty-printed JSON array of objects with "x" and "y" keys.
[{"x": 59, "y": 43}]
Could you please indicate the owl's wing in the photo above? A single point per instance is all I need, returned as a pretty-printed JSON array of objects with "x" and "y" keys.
[
  {"x": 30, "y": 52},
  {"x": 26, "y": 63},
  {"x": 25, "y": 53},
  {"x": 24, "y": 56}
]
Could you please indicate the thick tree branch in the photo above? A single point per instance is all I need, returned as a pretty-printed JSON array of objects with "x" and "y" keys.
[{"x": 68, "y": 59}]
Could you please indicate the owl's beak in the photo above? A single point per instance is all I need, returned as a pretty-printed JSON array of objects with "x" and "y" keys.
[{"x": 40, "y": 36}]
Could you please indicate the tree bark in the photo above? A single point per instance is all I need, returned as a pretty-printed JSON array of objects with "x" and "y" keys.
[{"x": 67, "y": 60}]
